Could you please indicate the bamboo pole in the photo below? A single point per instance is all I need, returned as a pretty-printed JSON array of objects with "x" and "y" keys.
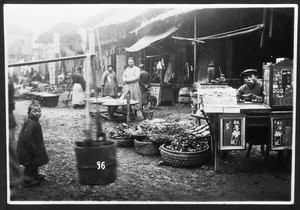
[
  {"x": 46, "y": 61},
  {"x": 87, "y": 96},
  {"x": 195, "y": 47}
]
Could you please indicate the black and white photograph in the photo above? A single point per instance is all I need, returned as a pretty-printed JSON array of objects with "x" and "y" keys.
[{"x": 176, "y": 104}]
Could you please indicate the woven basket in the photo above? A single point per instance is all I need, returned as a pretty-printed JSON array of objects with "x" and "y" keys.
[
  {"x": 146, "y": 148},
  {"x": 148, "y": 115},
  {"x": 185, "y": 159},
  {"x": 184, "y": 99},
  {"x": 123, "y": 142}
]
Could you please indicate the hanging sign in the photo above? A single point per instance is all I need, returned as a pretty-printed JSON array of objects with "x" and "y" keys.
[
  {"x": 281, "y": 132},
  {"x": 51, "y": 67},
  {"x": 56, "y": 43}
]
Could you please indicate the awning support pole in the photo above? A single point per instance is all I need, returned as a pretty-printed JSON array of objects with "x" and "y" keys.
[
  {"x": 87, "y": 96},
  {"x": 195, "y": 46}
]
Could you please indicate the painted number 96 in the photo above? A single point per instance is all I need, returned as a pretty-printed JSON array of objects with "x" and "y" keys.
[{"x": 101, "y": 165}]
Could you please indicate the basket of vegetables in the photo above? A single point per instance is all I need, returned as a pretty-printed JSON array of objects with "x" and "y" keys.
[
  {"x": 122, "y": 135},
  {"x": 185, "y": 151}
]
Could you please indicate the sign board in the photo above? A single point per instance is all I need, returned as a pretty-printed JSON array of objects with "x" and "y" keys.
[
  {"x": 56, "y": 43},
  {"x": 155, "y": 91},
  {"x": 281, "y": 132},
  {"x": 232, "y": 132},
  {"x": 51, "y": 68},
  {"x": 92, "y": 43}
]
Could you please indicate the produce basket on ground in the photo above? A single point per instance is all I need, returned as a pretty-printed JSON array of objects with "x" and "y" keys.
[
  {"x": 146, "y": 148},
  {"x": 185, "y": 159},
  {"x": 148, "y": 114},
  {"x": 123, "y": 141},
  {"x": 121, "y": 135}
]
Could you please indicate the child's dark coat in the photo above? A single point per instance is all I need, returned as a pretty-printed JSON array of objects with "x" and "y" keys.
[{"x": 31, "y": 148}]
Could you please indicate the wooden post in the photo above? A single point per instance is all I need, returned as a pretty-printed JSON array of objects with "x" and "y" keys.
[
  {"x": 100, "y": 54},
  {"x": 87, "y": 96},
  {"x": 195, "y": 47},
  {"x": 264, "y": 28},
  {"x": 128, "y": 96}
]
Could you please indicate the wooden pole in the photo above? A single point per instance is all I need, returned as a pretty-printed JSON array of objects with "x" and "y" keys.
[
  {"x": 87, "y": 96},
  {"x": 195, "y": 46},
  {"x": 128, "y": 97},
  {"x": 264, "y": 28},
  {"x": 46, "y": 61}
]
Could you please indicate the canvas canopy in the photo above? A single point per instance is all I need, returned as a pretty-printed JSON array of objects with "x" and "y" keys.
[
  {"x": 147, "y": 40},
  {"x": 224, "y": 35}
]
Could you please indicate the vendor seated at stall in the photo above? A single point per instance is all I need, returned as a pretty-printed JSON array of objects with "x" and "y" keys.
[{"x": 252, "y": 90}]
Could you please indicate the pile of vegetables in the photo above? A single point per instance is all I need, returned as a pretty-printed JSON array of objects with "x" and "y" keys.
[
  {"x": 182, "y": 134},
  {"x": 121, "y": 131},
  {"x": 200, "y": 131},
  {"x": 186, "y": 142}
]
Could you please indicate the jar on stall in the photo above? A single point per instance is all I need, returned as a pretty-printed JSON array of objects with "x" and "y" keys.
[{"x": 211, "y": 71}]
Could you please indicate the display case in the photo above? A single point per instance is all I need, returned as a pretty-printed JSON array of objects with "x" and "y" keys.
[
  {"x": 278, "y": 85},
  {"x": 232, "y": 132},
  {"x": 163, "y": 92},
  {"x": 281, "y": 131}
]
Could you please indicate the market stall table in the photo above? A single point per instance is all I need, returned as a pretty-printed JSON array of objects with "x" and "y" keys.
[
  {"x": 112, "y": 105},
  {"x": 256, "y": 114},
  {"x": 45, "y": 98}
]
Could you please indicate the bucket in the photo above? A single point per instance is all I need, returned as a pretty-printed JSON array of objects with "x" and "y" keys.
[
  {"x": 148, "y": 115},
  {"x": 96, "y": 165}
]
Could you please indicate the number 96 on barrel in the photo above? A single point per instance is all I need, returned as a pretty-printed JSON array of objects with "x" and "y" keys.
[{"x": 100, "y": 165}]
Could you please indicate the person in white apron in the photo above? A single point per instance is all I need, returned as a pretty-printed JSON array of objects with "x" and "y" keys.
[{"x": 78, "y": 89}]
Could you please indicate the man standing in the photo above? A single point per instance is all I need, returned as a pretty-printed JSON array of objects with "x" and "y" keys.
[{"x": 131, "y": 78}]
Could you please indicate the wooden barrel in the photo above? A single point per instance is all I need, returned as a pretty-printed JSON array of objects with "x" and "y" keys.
[{"x": 96, "y": 165}]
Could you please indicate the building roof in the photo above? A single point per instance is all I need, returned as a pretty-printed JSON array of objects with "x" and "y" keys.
[
  {"x": 64, "y": 28},
  {"x": 13, "y": 29},
  {"x": 162, "y": 17},
  {"x": 120, "y": 16}
]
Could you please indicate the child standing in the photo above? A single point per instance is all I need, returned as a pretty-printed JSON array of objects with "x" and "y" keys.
[{"x": 31, "y": 148}]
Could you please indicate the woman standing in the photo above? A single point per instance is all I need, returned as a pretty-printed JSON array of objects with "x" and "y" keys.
[
  {"x": 131, "y": 78},
  {"x": 109, "y": 82},
  {"x": 78, "y": 89}
]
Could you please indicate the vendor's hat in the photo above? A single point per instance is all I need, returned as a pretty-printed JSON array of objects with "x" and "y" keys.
[
  {"x": 131, "y": 58},
  {"x": 248, "y": 71},
  {"x": 110, "y": 66},
  {"x": 141, "y": 66}
]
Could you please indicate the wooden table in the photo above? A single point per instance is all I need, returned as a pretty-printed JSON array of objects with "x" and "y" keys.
[
  {"x": 112, "y": 105},
  {"x": 257, "y": 114}
]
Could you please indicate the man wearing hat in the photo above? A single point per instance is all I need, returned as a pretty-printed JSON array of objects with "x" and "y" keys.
[{"x": 252, "y": 90}]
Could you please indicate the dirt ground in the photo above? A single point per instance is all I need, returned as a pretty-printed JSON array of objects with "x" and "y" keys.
[{"x": 144, "y": 178}]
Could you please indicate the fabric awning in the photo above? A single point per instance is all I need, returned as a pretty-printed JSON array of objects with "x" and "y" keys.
[
  {"x": 146, "y": 41},
  {"x": 224, "y": 35}
]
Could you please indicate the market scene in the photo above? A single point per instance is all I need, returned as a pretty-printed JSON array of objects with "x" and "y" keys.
[{"x": 163, "y": 104}]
